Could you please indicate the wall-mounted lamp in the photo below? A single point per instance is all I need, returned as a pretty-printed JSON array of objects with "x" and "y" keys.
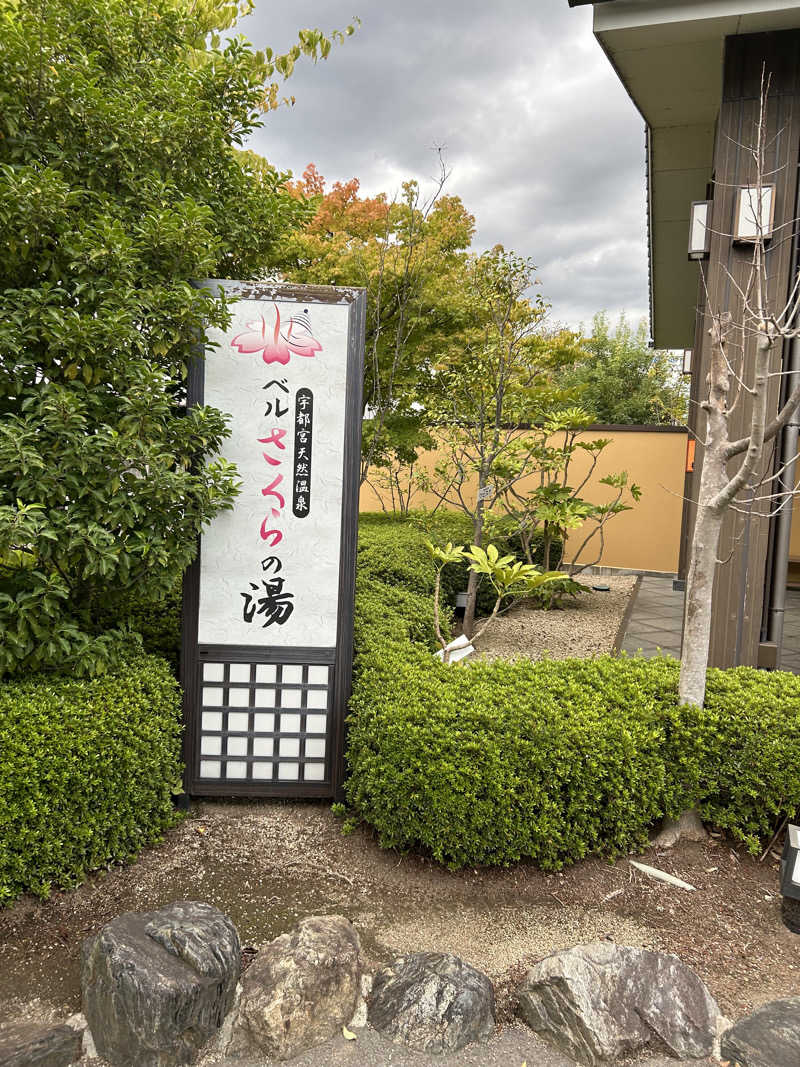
[
  {"x": 687, "y": 361},
  {"x": 700, "y": 229},
  {"x": 754, "y": 216}
]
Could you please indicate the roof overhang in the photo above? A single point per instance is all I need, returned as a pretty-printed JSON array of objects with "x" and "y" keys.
[{"x": 668, "y": 55}]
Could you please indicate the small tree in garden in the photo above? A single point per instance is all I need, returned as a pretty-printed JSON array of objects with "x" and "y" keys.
[
  {"x": 507, "y": 576},
  {"x": 493, "y": 374},
  {"x": 120, "y": 181},
  {"x": 553, "y": 507},
  {"x": 731, "y": 467}
]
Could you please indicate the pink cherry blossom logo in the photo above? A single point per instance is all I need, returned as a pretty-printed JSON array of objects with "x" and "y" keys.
[{"x": 294, "y": 337}]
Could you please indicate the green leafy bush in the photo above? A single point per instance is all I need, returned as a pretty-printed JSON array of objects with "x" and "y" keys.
[
  {"x": 393, "y": 550},
  {"x": 121, "y": 181},
  {"x": 383, "y": 609},
  {"x": 395, "y": 553},
  {"x": 156, "y": 621},
  {"x": 554, "y": 761},
  {"x": 87, "y": 770},
  {"x": 746, "y": 744}
]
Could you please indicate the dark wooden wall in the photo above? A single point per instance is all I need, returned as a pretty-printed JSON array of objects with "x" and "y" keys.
[{"x": 739, "y": 585}]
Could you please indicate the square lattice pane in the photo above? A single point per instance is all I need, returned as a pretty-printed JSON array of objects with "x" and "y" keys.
[{"x": 264, "y": 722}]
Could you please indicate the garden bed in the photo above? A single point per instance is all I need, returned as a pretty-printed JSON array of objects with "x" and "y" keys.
[
  {"x": 585, "y": 626},
  {"x": 267, "y": 864}
]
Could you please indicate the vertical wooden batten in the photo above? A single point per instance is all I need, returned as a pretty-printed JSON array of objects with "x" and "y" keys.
[{"x": 740, "y": 579}]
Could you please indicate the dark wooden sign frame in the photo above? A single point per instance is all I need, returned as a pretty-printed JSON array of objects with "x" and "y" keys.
[{"x": 245, "y": 671}]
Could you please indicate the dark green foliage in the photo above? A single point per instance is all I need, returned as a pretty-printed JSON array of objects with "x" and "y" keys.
[
  {"x": 498, "y": 762},
  {"x": 393, "y": 549},
  {"x": 747, "y": 745},
  {"x": 383, "y": 609},
  {"x": 555, "y": 594},
  {"x": 490, "y": 763},
  {"x": 87, "y": 770},
  {"x": 120, "y": 181},
  {"x": 623, "y": 380},
  {"x": 394, "y": 552},
  {"x": 157, "y": 622}
]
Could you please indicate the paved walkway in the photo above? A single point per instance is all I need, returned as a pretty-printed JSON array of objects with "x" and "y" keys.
[
  {"x": 657, "y": 618},
  {"x": 790, "y": 660},
  {"x": 656, "y": 621}
]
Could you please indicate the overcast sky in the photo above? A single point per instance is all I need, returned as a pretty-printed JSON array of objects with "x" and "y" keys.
[{"x": 544, "y": 146}]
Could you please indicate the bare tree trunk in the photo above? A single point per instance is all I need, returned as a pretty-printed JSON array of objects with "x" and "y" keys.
[
  {"x": 697, "y": 612},
  {"x": 546, "y": 544},
  {"x": 472, "y": 582},
  {"x": 717, "y": 492},
  {"x": 472, "y": 597}
]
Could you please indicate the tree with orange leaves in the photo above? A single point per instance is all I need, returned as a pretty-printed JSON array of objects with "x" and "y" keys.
[{"x": 408, "y": 252}]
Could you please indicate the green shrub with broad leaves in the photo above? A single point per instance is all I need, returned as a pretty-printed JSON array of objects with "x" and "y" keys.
[
  {"x": 394, "y": 551},
  {"x": 122, "y": 180},
  {"x": 87, "y": 772}
]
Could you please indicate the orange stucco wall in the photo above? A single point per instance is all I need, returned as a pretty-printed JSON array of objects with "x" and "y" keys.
[
  {"x": 646, "y": 538},
  {"x": 794, "y": 543}
]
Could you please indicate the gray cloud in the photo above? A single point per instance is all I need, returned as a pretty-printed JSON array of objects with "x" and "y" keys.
[{"x": 544, "y": 146}]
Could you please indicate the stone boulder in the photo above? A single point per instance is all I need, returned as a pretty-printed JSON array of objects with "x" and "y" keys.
[
  {"x": 157, "y": 985},
  {"x": 601, "y": 1001},
  {"x": 300, "y": 990},
  {"x": 26, "y": 1044},
  {"x": 770, "y": 1037},
  {"x": 432, "y": 1002}
]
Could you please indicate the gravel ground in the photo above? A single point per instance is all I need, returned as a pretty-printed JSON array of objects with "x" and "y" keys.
[
  {"x": 586, "y": 626},
  {"x": 269, "y": 863}
]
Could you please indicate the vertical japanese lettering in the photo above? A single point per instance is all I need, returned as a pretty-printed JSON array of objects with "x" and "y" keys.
[{"x": 303, "y": 438}]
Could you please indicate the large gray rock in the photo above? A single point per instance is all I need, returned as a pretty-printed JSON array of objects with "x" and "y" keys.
[
  {"x": 299, "y": 991},
  {"x": 38, "y": 1045},
  {"x": 770, "y": 1037},
  {"x": 157, "y": 985},
  {"x": 433, "y": 1002},
  {"x": 600, "y": 1001}
]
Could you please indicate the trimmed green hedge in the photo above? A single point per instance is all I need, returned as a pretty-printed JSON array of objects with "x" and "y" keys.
[
  {"x": 395, "y": 553},
  {"x": 553, "y": 761},
  {"x": 490, "y": 763},
  {"x": 87, "y": 770},
  {"x": 393, "y": 550},
  {"x": 382, "y": 609},
  {"x": 480, "y": 764}
]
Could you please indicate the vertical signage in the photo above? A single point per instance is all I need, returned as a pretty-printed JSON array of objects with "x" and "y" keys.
[{"x": 268, "y": 605}]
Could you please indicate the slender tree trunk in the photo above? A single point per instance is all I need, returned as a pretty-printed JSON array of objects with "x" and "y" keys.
[
  {"x": 472, "y": 597},
  {"x": 546, "y": 543},
  {"x": 437, "y": 591},
  {"x": 716, "y": 493},
  {"x": 697, "y": 613},
  {"x": 472, "y": 581}
]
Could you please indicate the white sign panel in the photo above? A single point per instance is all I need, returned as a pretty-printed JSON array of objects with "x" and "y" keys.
[{"x": 269, "y": 569}]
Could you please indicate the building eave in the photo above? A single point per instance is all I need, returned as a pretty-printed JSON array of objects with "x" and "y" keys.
[{"x": 668, "y": 56}]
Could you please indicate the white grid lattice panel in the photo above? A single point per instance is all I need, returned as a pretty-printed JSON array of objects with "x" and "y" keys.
[{"x": 264, "y": 722}]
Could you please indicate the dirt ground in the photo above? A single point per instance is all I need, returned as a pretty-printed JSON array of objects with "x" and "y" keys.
[
  {"x": 585, "y": 626},
  {"x": 269, "y": 863}
]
